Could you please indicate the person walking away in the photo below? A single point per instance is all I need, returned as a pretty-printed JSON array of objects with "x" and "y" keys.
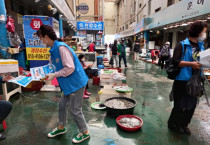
[
  {"x": 72, "y": 80},
  {"x": 136, "y": 50},
  {"x": 122, "y": 53},
  {"x": 165, "y": 54},
  {"x": 186, "y": 56},
  {"x": 88, "y": 71},
  {"x": 5, "y": 106},
  {"x": 91, "y": 47},
  {"x": 114, "y": 52}
]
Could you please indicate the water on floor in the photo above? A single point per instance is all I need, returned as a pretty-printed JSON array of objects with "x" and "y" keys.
[{"x": 35, "y": 114}]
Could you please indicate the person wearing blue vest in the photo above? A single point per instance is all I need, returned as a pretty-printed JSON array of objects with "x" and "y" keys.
[
  {"x": 5, "y": 106},
  {"x": 72, "y": 80},
  {"x": 186, "y": 56}
]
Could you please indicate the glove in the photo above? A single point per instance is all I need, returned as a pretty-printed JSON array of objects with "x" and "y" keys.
[{"x": 50, "y": 76}]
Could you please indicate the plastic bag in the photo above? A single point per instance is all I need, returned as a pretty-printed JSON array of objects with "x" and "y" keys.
[
  {"x": 195, "y": 86},
  {"x": 10, "y": 25}
]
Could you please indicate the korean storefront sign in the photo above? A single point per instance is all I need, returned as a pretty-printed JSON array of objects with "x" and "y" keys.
[
  {"x": 180, "y": 11},
  {"x": 35, "y": 50},
  {"x": 90, "y": 25}
]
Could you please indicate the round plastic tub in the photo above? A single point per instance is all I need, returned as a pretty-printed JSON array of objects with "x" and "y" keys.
[
  {"x": 128, "y": 128},
  {"x": 117, "y": 112}
]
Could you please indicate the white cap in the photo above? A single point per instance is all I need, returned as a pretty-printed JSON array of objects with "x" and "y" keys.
[{"x": 168, "y": 43}]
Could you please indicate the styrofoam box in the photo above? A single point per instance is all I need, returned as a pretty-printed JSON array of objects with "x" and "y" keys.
[
  {"x": 110, "y": 80},
  {"x": 107, "y": 86},
  {"x": 109, "y": 93}
]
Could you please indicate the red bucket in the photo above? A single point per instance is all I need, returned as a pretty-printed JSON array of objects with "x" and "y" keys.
[{"x": 96, "y": 80}]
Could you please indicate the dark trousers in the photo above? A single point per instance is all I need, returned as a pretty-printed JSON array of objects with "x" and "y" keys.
[
  {"x": 89, "y": 71},
  {"x": 123, "y": 56},
  {"x": 94, "y": 72},
  {"x": 162, "y": 60},
  {"x": 184, "y": 106},
  {"x": 5, "y": 109},
  {"x": 180, "y": 117}
]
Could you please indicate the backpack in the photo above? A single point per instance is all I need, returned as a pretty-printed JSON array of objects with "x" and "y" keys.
[
  {"x": 136, "y": 47},
  {"x": 165, "y": 51}
]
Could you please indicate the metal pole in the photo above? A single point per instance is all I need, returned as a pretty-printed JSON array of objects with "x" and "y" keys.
[
  {"x": 61, "y": 27},
  {"x": 103, "y": 24}
]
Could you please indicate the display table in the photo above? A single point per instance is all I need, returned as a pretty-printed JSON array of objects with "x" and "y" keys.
[{"x": 9, "y": 66}]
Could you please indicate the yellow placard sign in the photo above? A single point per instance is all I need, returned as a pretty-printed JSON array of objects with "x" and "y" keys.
[{"x": 35, "y": 53}]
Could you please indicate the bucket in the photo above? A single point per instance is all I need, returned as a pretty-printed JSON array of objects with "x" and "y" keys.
[{"x": 96, "y": 80}]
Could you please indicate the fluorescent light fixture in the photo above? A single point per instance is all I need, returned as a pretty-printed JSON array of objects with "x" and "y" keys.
[
  {"x": 184, "y": 24},
  {"x": 165, "y": 28}
]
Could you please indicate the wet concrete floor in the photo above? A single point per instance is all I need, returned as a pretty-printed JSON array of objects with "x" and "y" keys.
[{"x": 34, "y": 115}]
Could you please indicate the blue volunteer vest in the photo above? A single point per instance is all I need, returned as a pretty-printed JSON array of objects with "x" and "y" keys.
[
  {"x": 77, "y": 79},
  {"x": 186, "y": 72}
]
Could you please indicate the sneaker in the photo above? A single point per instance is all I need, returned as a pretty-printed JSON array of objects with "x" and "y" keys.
[
  {"x": 80, "y": 137},
  {"x": 187, "y": 130},
  {"x": 56, "y": 132}
]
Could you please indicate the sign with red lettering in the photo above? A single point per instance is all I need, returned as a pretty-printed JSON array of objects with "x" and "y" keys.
[{"x": 36, "y": 23}]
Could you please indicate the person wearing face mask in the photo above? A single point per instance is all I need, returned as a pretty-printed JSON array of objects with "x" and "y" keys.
[
  {"x": 88, "y": 71},
  {"x": 186, "y": 56},
  {"x": 72, "y": 80}
]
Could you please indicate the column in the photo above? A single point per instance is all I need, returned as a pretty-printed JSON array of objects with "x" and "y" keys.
[
  {"x": 61, "y": 27},
  {"x": 174, "y": 39},
  {"x": 4, "y": 42},
  {"x": 146, "y": 38}
]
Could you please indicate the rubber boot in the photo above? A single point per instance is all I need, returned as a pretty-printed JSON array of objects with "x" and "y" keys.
[{"x": 87, "y": 93}]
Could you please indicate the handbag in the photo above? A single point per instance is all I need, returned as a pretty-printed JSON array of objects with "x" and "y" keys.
[
  {"x": 171, "y": 69},
  {"x": 195, "y": 86}
]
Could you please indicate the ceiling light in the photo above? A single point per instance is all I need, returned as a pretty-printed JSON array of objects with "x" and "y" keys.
[{"x": 184, "y": 24}]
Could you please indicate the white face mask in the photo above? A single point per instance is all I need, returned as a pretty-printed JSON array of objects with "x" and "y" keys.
[
  {"x": 202, "y": 38},
  {"x": 83, "y": 59}
]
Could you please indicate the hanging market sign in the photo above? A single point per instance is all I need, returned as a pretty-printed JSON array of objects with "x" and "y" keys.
[
  {"x": 35, "y": 49},
  {"x": 139, "y": 27},
  {"x": 83, "y": 8},
  {"x": 183, "y": 10},
  {"x": 34, "y": 53},
  {"x": 90, "y": 25}
]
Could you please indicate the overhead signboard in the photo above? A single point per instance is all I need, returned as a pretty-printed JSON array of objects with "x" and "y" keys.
[
  {"x": 139, "y": 27},
  {"x": 180, "y": 11},
  {"x": 90, "y": 25},
  {"x": 83, "y": 8}
]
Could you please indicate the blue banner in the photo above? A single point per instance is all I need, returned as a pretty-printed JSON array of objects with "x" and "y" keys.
[
  {"x": 31, "y": 25},
  {"x": 139, "y": 27},
  {"x": 90, "y": 25}
]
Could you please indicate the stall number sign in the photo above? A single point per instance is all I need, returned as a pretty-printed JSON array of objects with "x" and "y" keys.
[
  {"x": 36, "y": 24},
  {"x": 83, "y": 8},
  {"x": 35, "y": 53}
]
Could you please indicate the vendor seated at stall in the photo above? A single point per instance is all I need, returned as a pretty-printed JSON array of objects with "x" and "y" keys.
[
  {"x": 88, "y": 71},
  {"x": 5, "y": 106}
]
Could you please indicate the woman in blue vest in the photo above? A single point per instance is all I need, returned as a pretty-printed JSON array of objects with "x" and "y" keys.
[
  {"x": 184, "y": 105},
  {"x": 72, "y": 80}
]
